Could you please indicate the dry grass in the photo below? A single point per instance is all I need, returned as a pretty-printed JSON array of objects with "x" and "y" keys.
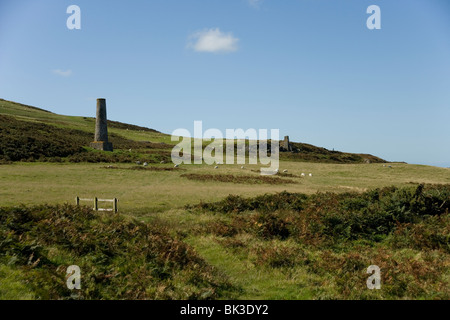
[{"x": 163, "y": 190}]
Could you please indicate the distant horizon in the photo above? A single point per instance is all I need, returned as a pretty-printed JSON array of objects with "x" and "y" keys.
[{"x": 311, "y": 68}]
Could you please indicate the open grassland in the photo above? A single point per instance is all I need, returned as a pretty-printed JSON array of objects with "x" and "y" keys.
[
  {"x": 150, "y": 190},
  {"x": 241, "y": 247},
  {"x": 275, "y": 246}
]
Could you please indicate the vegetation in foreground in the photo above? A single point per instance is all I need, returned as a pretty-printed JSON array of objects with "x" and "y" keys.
[
  {"x": 316, "y": 247},
  {"x": 119, "y": 258},
  {"x": 336, "y": 237}
]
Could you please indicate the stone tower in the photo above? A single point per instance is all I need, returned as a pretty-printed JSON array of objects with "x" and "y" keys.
[
  {"x": 101, "y": 128},
  {"x": 286, "y": 145}
]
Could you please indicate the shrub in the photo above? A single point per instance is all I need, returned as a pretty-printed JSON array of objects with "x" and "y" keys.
[
  {"x": 330, "y": 218},
  {"x": 237, "y": 179},
  {"x": 119, "y": 258},
  {"x": 264, "y": 203}
]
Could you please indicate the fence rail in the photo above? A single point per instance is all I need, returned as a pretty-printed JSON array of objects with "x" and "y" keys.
[{"x": 96, "y": 200}]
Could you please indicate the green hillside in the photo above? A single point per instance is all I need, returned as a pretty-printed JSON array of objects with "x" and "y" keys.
[
  {"x": 29, "y": 133},
  {"x": 87, "y": 124}
]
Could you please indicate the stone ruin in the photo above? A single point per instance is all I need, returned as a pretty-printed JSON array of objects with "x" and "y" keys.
[
  {"x": 101, "y": 128},
  {"x": 285, "y": 145}
]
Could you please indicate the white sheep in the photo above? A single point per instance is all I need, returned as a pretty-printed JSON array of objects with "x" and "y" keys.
[
  {"x": 303, "y": 174},
  {"x": 176, "y": 166},
  {"x": 145, "y": 164},
  {"x": 242, "y": 167},
  {"x": 310, "y": 174},
  {"x": 216, "y": 167},
  {"x": 285, "y": 170}
]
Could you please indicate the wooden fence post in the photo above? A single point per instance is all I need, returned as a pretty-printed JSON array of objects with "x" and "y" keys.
[
  {"x": 95, "y": 204},
  {"x": 115, "y": 205},
  {"x": 77, "y": 200}
]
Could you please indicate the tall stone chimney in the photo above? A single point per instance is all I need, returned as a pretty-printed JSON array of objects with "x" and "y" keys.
[{"x": 101, "y": 128}]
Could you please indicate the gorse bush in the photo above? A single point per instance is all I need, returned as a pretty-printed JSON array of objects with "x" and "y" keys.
[{"x": 119, "y": 258}]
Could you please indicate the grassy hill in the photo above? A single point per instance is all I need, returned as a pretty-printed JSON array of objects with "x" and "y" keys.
[
  {"x": 86, "y": 124},
  {"x": 29, "y": 133}
]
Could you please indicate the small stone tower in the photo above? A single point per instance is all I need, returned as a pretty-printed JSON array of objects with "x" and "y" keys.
[
  {"x": 286, "y": 145},
  {"x": 101, "y": 128}
]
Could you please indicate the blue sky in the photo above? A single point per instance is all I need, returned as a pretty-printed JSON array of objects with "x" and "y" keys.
[{"x": 310, "y": 68}]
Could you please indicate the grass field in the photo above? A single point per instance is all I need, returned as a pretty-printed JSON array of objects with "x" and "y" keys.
[
  {"x": 244, "y": 255},
  {"x": 158, "y": 191},
  {"x": 159, "y": 197}
]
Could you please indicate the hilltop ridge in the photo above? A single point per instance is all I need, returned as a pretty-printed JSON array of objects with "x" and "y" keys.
[{"x": 30, "y": 133}]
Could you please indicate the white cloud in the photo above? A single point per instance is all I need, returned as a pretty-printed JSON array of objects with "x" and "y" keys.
[
  {"x": 255, "y": 3},
  {"x": 62, "y": 73},
  {"x": 213, "y": 40}
]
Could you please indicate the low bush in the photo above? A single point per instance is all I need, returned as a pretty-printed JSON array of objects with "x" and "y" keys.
[
  {"x": 328, "y": 240},
  {"x": 264, "y": 203},
  {"x": 420, "y": 211},
  {"x": 237, "y": 179},
  {"x": 119, "y": 258}
]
